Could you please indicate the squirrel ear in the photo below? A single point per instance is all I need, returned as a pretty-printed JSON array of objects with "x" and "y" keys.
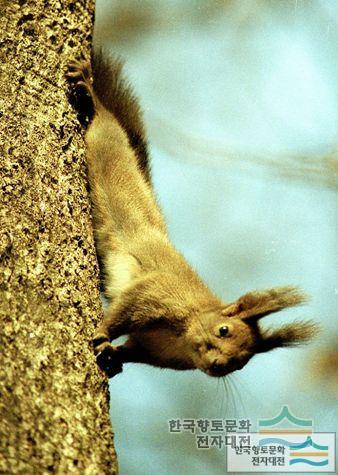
[
  {"x": 258, "y": 304},
  {"x": 292, "y": 334}
]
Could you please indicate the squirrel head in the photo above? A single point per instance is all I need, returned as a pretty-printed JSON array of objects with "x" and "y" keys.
[{"x": 224, "y": 339}]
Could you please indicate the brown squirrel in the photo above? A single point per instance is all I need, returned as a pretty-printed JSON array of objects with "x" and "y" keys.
[{"x": 171, "y": 317}]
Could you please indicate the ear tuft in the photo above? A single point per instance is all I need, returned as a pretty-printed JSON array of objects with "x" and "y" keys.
[
  {"x": 292, "y": 334},
  {"x": 258, "y": 304}
]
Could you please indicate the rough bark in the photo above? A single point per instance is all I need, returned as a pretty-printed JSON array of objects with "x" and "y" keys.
[{"x": 54, "y": 415}]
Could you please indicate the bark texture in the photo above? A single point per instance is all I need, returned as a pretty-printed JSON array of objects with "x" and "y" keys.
[{"x": 54, "y": 414}]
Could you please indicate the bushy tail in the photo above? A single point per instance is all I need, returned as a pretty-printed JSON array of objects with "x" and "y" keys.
[{"x": 115, "y": 94}]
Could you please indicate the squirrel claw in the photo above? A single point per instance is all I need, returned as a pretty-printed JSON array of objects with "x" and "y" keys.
[
  {"x": 79, "y": 69},
  {"x": 79, "y": 75},
  {"x": 109, "y": 362}
]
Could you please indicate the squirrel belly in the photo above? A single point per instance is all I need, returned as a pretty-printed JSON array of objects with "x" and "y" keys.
[{"x": 172, "y": 318}]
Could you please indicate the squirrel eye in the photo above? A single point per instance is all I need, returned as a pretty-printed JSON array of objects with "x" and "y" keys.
[{"x": 223, "y": 331}]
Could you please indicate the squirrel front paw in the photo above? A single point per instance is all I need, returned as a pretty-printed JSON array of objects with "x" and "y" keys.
[{"x": 109, "y": 360}]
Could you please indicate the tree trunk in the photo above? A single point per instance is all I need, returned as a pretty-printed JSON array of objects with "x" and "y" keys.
[{"x": 54, "y": 413}]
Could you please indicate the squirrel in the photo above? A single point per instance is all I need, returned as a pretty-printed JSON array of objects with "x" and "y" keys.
[{"x": 172, "y": 319}]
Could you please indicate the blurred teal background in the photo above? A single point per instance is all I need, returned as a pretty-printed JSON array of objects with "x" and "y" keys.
[{"x": 240, "y": 101}]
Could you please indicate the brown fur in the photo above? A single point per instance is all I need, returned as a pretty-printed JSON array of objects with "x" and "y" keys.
[{"x": 173, "y": 320}]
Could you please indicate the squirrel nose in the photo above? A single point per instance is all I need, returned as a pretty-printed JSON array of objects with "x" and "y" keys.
[
  {"x": 241, "y": 364},
  {"x": 217, "y": 368},
  {"x": 222, "y": 369}
]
